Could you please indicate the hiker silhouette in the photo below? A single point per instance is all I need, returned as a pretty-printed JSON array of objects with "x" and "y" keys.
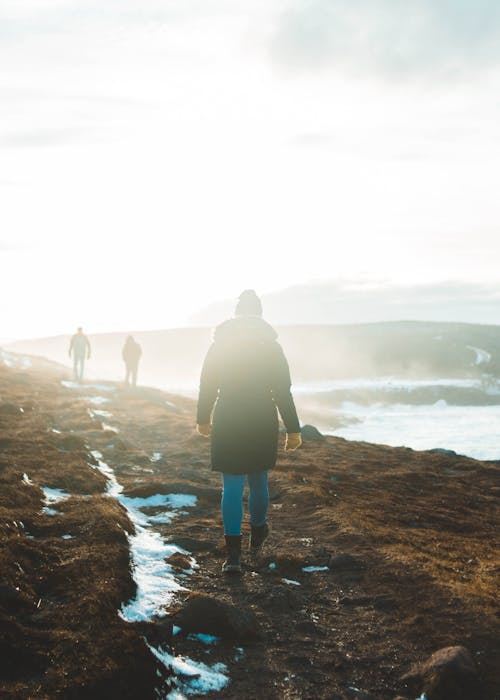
[
  {"x": 131, "y": 354},
  {"x": 79, "y": 347},
  {"x": 245, "y": 378}
]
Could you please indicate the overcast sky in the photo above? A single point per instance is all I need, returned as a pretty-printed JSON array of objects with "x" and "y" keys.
[{"x": 157, "y": 155}]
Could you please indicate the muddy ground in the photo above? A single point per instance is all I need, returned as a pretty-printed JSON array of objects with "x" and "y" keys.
[{"x": 410, "y": 540}]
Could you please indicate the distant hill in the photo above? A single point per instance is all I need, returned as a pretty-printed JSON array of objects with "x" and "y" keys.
[
  {"x": 173, "y": 358},
  {"x": 343, "y": 302}
]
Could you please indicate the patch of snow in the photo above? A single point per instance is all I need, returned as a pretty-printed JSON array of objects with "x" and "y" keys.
[
  {"x": 99, "y": 412},
  {"x": 98, "y": 400},
  {"x": 192, "y": 677},
  {"x": 181, "y": 500},
  {"x": 176, "y": 695},
  {"x": 27, "y": 480},
  {"x": 162, "y": 518},
  {"x": 106, "y": 426},
  {"x": 176, "y": 630},
  {"x": 100, "y": 387},
  {"x": 54, "y": 495},
  {"x": 310, "y": 569},
  {"x": 7, "y": 359},
  {"x": 55, "y": 430},
  {"x": 113, "y": 488},
  {"x": 13, "y": 360},
  {"x": 67, "y": 537},
  {"x": 272, "y": 566},
  {"x": 155, "y": 579},
  {"x": 239, "y": 653},
  {"x": 208, "y": 639},
  {"x": 482, "y": 356},
  {"x": 171, "y": 500},
  {"x": 291, "y": 581},
  {"x": 156, "y": 456}
]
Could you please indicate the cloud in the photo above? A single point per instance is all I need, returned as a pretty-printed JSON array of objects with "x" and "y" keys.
[
  {"x": 352, "y": 302},
  {"x": 35, "y": 17},
  {"x": 13, "y": 246},
  {"x": 430, "y": 38},
  {"x": 44, "y": 137}
]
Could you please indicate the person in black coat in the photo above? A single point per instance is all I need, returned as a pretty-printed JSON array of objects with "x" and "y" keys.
[
  {"x": 80, "y": 348},
  {"x": 131, "y": 354},
  {"x": 246, "y": 377}
]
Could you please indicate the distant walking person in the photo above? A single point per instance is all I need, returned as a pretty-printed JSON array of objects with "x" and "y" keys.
[
  {"x": 131, "y": 354},
  {"x": 80, "y": 348},
  {"x": 245, "y": 374}
]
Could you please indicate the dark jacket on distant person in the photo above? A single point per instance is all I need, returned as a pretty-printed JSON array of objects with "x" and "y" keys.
[
  {"x": 79, "y": 346},
  {"x": 131, "y": 352},
  {"x": 246, "y": 376}
]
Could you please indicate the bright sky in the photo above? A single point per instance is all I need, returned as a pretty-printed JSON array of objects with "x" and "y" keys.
[{"x": 156, "y": 155}]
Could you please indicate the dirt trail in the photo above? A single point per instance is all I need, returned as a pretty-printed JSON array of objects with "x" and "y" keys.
[{"x": 403, "y": 546}]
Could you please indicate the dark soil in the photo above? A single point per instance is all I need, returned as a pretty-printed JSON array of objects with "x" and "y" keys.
[{"x": 410, "y": 540}]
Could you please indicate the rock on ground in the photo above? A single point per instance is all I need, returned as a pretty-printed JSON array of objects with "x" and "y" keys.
[{"x": 449, "y": 674}]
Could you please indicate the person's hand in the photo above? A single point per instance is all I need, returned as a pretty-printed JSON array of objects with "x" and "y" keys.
[
  {"x": 292, "y": 441},
  {"x": 204, "y": 429}
]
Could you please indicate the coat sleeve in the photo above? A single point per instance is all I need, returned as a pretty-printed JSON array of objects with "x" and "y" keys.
[
  {"x": 280, "y": 386},
  {"x": 209, "y": 387}
]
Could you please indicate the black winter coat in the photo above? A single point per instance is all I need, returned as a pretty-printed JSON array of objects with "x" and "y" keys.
[{"x": 246, "y": 376}]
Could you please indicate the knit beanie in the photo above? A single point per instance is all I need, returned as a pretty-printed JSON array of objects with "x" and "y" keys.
[{"x": 248, "y": 304}]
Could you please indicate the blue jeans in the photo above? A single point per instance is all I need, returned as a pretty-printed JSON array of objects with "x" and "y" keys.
[
  {"x": 78, "y": 365},
  {"x": 232, "y": 500}
]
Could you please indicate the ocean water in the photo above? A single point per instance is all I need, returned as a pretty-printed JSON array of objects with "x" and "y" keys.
[
  {"x": 391, "y": 411},
  {"x": 468, "y": 430}
]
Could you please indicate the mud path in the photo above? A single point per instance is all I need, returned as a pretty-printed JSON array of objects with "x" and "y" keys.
[{"x": 378, "y": 556}]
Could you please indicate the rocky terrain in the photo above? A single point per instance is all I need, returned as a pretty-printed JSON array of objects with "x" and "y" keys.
[{"x": 379, "y": 558}]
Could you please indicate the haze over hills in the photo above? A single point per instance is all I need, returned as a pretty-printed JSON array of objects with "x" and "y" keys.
[{"x": 405, "y": 349}]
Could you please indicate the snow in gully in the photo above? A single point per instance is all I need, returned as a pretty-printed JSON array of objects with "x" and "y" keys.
[
  {"x": 157, "y": 583},
  {"x": 155, "y": 579}
]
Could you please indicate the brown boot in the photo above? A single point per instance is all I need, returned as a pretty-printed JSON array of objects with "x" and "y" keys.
[
  {"x": 258, "y": 535},
  {"x": 232, "y": 565}
]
